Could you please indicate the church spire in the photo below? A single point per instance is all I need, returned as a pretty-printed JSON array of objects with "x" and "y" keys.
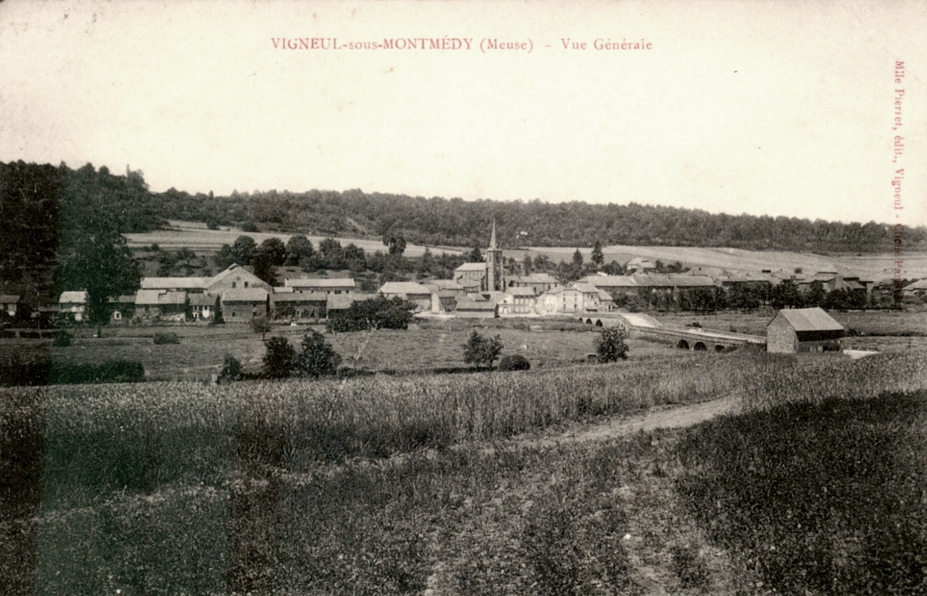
[{"x": 492, "y": 239}]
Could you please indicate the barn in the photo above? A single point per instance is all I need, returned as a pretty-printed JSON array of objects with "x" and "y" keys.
[{"x": 803, "y": 330}]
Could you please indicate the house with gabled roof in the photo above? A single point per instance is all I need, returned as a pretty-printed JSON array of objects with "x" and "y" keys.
[
  {"x": 332, "y": 286},
  {"x": 299, "y": 305},
  {"x": 414, "y": 292},
  {"x": 245, "y": 304},
  {"x": 473, "y": 273},
  {"x": 518, "y": 301},
  {"x": 161, "y": 304},
  {"x": 235, "y": 278},
  {"x": 203, "y": 307},
  {"x": 539, "y": 282},
  {"x": 476, "y": 309},
  {"x": 72, "y": 305},
  {"x": 803, "y": 330}
]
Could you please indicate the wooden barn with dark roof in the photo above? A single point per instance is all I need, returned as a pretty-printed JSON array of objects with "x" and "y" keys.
[{"x": 803, "y": 330}]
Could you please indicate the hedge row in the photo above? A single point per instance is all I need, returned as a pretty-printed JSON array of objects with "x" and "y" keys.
[{"x": 56, "y": 373}]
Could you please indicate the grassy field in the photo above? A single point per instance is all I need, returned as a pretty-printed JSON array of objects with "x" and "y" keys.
[
  {"x": 399, "y": 485},
  {"x": 204, "y": 241},
  {"x": 430, "y": 345},
  {"x": 874, "y": 266}
]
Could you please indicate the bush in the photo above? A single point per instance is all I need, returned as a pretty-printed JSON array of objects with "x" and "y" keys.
[
  {"x": 317, "y": 357},
  {"x": 376, "y": 313},
  {"x": 610, "y": 346},
  {"x": 514, "y": 362},
  {"x": 166, "y": 338},
  {"x": 482, "y": 351},
  {"x": 260, "y": 325},
  {"x": 279, "y": 359},
  {"x": 231, "y": 369},
  {"x": 62, "y": 339}
]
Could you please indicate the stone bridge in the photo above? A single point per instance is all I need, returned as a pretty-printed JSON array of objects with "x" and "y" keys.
[{"x": 687, "y": 338}]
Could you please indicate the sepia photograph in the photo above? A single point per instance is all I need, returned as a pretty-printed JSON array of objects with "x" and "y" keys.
[{"x": 452, "y": 298}]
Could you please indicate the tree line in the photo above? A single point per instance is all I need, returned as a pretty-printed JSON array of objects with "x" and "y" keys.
[{"x": 455, "y": 222}]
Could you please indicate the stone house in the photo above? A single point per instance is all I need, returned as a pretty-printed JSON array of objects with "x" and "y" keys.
[{"x": 803, "y": 330}]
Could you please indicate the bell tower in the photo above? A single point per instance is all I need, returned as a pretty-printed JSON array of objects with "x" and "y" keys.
[{"x": 494, "y": 263}]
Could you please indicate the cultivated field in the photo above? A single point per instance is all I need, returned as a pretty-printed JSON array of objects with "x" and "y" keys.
[
  {"x": 205, "y": 241},
  {"x": 875, "y": 267},
  {"x": 401, "y": 485}
]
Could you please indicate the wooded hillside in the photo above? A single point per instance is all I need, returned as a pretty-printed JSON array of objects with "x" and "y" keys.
[{"x": 455, "y": 222}]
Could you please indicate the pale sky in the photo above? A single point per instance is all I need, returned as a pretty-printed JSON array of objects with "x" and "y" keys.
[{"x": 778, "y": 108}]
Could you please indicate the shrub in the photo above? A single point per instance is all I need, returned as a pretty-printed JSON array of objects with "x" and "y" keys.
[
  {"x": 317, "y": 357},
  {"x": 610, "y": 345},
  {"x": 482, "y": 351},
  {"x": 376, "y": 313},
  {"x": 166, "y": 338},
  {"x": 514, "y": 362},
  {"x": 279, "y": 359},
  {"x": 62, "y": 339},
  {"x": 260, "y": 325},
  {"x": 231, "y": 369}
]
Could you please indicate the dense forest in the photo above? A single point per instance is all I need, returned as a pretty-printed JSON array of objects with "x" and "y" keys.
[
  {"x": 62, "y": 230},
  {"x": 46, "y": 210},
  {"x": 455, "y": 222}
]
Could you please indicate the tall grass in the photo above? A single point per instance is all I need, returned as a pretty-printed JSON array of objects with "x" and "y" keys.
[
  {"x": 188, "y": 488},
  {"x": 821, "y": 498}
]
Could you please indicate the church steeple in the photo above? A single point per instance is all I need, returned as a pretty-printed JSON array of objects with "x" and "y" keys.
[{"x": 493, "y": 260}]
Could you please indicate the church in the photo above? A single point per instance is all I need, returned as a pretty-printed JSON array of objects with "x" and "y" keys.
[{"x": 488, "y": 276}]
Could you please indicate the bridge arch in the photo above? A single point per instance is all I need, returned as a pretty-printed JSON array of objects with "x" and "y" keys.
[
  {"x": 720, "y": 348},
  {"x": 699, "y": 347},
  {"x": 682, "y": 344}
]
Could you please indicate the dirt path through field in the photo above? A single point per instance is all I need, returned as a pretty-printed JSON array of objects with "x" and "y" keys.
[{"x": 655, "y": 418}]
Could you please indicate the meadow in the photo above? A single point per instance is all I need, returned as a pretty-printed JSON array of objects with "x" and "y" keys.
[
  {"x": 429, "y": 345},
  {"x": 399, "y": 485}
]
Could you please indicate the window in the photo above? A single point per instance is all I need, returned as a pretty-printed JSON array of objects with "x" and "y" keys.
[
  {"x": 233, "y": 285},
  {"x": 246, "y": 284}
]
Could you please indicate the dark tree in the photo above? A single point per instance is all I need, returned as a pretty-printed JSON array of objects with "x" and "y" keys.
[
  {"x": 279, "y": 359},
  {"x": 376, "y": 313},
  {"x": 526, "y": 265},
  {"x": 331, "y": 254},
  {"x": 299, "y": 251},
  {"x": 317, "y": 357},
  {"x": 276, "y": 250},
  {"x": 482, "y": 351},
  {"x": 101, "y": 264},
  {"x": 475, "y": 256},
  {"x": 597, "y": 256},
  {"x": 610, "y": 345},
  {"x": 243, "y": 249},
  {"x": 263, "y": 262},
  {"x": 395, "y": 243},
  {"x": 578, "y": 258},
  {"x": 224, "y": 257}
]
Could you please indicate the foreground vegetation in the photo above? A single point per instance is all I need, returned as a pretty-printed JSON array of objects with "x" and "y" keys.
[{"x": 391, "y": 485}]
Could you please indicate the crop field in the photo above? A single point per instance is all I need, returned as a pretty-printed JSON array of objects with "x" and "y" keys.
[
  {"x": 398, "y": 485},
  {"x": 875, "y": 267},
  {"x": 206, "y": 241}
]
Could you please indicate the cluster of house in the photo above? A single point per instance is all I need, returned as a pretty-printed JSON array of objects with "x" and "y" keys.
[
  {"x": 477, "y": 290},
  {"x": 241, "y": 296}
]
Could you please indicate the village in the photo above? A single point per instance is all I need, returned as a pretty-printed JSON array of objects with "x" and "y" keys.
[{"x": 490, "y": 290}]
